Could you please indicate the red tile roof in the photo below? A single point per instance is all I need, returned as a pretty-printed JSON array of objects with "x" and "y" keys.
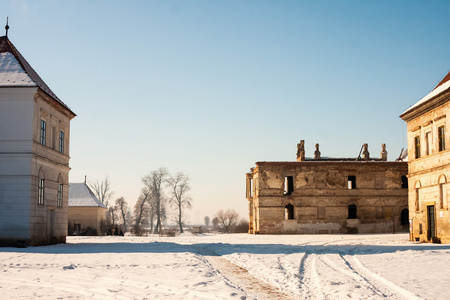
[
  {"x": 7, "y": 46},
  {"x": 446, "y": 78}
]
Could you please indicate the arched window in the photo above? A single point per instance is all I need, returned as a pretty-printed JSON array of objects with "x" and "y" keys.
[
  {"x": 60, "y": 194},
  {"x": 41, "y": 188},
  {"x": 442, "y": 191},
  {"x": 352, "y": 212},
  {"x": 289, "y": 212},
  {"x": 417, "y": 196}
]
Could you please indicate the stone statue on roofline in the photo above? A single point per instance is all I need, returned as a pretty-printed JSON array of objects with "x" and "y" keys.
[{"x": 301, "y": 151}]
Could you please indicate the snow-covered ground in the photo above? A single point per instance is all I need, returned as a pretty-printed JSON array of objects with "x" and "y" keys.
[{"x": 236, "y": 266}]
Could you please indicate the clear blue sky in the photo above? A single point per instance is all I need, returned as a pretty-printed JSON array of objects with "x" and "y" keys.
[{"x": 210, "y": 87}]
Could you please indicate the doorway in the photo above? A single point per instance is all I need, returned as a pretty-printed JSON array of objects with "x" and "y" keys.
[{"x": 431, "y": 232}]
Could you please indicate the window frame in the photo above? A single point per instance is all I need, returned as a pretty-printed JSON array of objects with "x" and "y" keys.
[
  {"x": 417, "y": 146},
  {"x": 41, "y": 191},
  {"x": 61, "y": 141},
  {"x": 441, "y": 138},
  {"x": 60, "y": 195},
  {"x": 43, "y": 134},
  {"x": 351, "y": 182}
]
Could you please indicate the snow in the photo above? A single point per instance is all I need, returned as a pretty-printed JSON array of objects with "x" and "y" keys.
[
  {"x": 438, "y": 90},
  {"x": 235, "y": 266},
  {"x": 81, "y": 195},
  {"x": 12, "y": 73}
]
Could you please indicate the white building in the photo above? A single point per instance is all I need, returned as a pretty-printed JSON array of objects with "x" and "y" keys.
[{"x": 34, "y": 155}]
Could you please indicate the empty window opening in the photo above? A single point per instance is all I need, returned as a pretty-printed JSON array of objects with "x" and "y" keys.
[
  {"x": 351, "y": 182},
  {"x": 441, "y": 137},
  {"x": 288, "y": 185},
  {"x": 404, "y": 182},
  {"x": 404, "y": 221},
  {"x": 352, "y": 212},
  {"x": 289, "y": 212},
  {"x": 417, "y": 146}
]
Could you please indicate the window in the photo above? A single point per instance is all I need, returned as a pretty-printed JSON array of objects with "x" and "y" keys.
[
  {"x": 351, "y": 182},
  {"x": 43, "y": 128},
  {"x": 441, "y": 137},
  {"x": 417, "y": 146},
  {"x": 41, "y": 190},
  {"x": 404, "y": 182},
  {"x": 288, "y": 185},
  {"x": 289, "y": 212},
  {"x": 352, "y": 212},
  {"x": 428, "y": 142},
  {"x": 60, "y": 195},
  {"x": 417, "y": 199},
  {"x": 61, "y": 141}
]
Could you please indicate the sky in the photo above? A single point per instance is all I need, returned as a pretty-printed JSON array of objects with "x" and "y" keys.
[{"x": 208, "y": 88}]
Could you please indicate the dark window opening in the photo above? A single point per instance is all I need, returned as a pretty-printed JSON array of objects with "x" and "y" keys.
[
  {"x": 441, "y": 137},
  {"x": 352, "y": 212},
  {"x": 417, "y": 146},
  {"x": 289, "y": 212},
  {"x": 404, "y": 182},
  {"x": 288, "y": 185},
  {"x": 351, "y": 182},
  {"x": 404, "y": 217}
]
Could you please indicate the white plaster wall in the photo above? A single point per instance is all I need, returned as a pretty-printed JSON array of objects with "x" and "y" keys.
[{"x": 16, "y": 136}]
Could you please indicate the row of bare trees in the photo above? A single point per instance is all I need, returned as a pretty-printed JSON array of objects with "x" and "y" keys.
[{"x": 161, "y": 189}]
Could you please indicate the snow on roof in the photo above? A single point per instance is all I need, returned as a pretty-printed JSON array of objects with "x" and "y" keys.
[
  {"x": 12, "y": 73},
  {"x": 7, "y": 47},
  {"x": 440, "y": 88},
  {"x": 81, "y": 195}
]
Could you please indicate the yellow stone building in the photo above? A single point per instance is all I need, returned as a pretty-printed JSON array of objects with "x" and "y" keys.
[
  {"x": 429, "y": 165},
  {"x": 328, "y": 195}
]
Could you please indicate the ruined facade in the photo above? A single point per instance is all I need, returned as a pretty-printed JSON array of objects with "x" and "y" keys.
[
  {"x": 34, "y": 155},
  {"x": 323, "y": 195},
  {"x": 429, "y": 165}
]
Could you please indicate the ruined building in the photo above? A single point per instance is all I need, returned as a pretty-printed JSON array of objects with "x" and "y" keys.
[
  {"x": 326, "y": 195},
  {"x": 429, "y": 165}
]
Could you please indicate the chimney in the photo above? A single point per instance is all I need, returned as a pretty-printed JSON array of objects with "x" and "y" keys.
[
  {"x": 85, "y": 178},
  {"x": 301, "y": 151},
  {"x": 317, "y": 152},
  {"x": 366, "y": 154},
  {"x": 383, "y": 153}
]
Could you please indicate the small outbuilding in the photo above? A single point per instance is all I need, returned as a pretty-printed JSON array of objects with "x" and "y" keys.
[{"x": 85, "y": 210}]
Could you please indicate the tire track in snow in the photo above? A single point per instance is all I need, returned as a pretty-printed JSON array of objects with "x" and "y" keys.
[
  {"x": 389, "y": 284},
  {"x": 240, "y": 278}
]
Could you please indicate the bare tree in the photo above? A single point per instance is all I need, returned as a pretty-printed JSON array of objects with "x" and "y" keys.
[
  {"x": 140, "y": 211},
  {"x": 154, "y": 184},
  {"x": 207, "y": 221},
  {"x": 112, "y": 215},
  {"x": 102, "y": 190},
  {"x": 122, "y": 208},
  {"x": 179, "y": 185},
  {"x": 227, "y": 220}
]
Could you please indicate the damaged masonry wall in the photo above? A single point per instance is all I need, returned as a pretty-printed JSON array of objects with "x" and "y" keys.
[{"x": 328, "y": 195}]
